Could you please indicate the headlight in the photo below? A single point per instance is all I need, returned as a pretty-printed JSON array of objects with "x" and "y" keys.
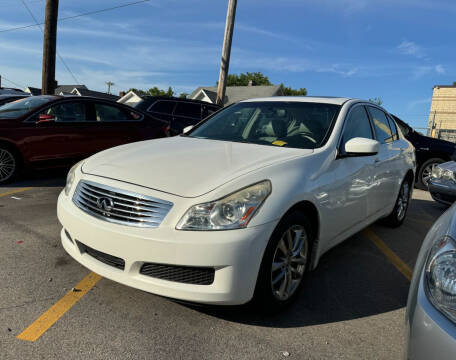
[
  {"x": 70, "y": 178},
  {"x": 437, "y": 172},
  {"x": 440, "y": 276},
  {"x": 231, "y": 212},
  {"x": 446, "y": 175}
]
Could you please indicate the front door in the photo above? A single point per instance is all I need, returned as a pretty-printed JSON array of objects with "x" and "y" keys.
[
  {"x": 385, "y": 183},
  {"x": 349, "y": 178},
  {"x": 60, "y": 141}
]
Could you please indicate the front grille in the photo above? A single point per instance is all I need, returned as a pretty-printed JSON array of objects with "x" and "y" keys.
[
  {"x": 101, "y": 256},
  {"x": 181, "y": 274},
  {"x": 120, "y": 206}
]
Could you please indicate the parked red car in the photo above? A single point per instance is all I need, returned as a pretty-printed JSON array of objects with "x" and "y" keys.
[{"x": 53, "y": 131}]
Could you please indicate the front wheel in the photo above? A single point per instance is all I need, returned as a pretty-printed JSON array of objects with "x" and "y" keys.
[
  {"x": 8, "y": 165},
  {"x": 425, "y": 171},
  {"x": 397, "y": 216},
  {"x": 284, "y": 263}
]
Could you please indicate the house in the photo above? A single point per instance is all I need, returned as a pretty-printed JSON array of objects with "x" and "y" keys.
[
  {"x": 67, "y": 89},
  {"x": 97, "y": 94},
  {"x": 59, "y": 90},
  {"x": 130, "y": 98},
  {"x": 442, "y": 118},
  {"x": 235, "y": 93},
  {"x": 33, "y": 91}
]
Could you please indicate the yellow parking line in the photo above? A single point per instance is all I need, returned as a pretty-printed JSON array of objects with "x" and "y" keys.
[
  {"x": 395, "y": 260},
  {"x": 45, "y": 321},
  {"x": 15, "y": 191}
]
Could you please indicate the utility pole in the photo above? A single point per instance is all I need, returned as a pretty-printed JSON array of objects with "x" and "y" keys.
[
  {"x": 109, "y": 83},
  {"x": 226, "y": 52},
  {"x": 48, "y": 83}
]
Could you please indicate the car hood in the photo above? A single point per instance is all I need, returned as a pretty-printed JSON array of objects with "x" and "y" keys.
[{"x": 185, "y": 166}]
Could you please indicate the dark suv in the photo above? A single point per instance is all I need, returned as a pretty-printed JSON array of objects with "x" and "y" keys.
[
  {"x": 179, "y": 113},
  {"x": 429, "y": 152}
]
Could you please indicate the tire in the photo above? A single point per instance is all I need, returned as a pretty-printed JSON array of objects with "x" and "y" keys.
[
  {"x": 277, "y": 288},
  {"x": 397, "y": 216},
  {"x": 9, "y": 164},
  {"x": 424, "y": 172}
]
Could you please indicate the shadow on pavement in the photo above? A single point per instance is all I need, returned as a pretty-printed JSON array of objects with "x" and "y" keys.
[
  {"x": 39, "y": 178},
  {"x": 353, "y": 280}
]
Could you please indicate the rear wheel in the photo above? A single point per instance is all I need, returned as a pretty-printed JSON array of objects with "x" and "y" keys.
[
  {"x": 397, "y": 216},
  {"x": 8, "y": 164},
  {"x": 424, "y": 174},
  {"x": 284, "y": 263}
]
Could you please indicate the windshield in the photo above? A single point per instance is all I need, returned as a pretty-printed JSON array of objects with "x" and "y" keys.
[
  {"x": 21, "y": 107},
  {"x": 286, "y": 124}
]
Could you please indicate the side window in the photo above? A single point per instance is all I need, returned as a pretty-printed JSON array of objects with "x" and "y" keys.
[
  {"x": 393, "y": 128},
  {"x": 381, "y": 125},
  {"x": 188, "y": 110},
  {"x": 68, "y": 112},
  {"x": 107, "y": 113},
  {"x": 162, "y": 107},
  {"x": 357, "y": 125}
]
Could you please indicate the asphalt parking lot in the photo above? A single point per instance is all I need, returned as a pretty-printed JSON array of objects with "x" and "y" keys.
[{"x": 352, "y": 306}]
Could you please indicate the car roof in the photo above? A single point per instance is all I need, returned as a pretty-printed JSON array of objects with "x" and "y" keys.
[
  {"x": 149, "y": 99},
  {"x": 309, "y": 99}
]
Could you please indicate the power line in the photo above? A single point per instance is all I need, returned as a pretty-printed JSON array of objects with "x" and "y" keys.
[
  {"x": 78, "y": 15},
  {"x": 58, "y": 54},
  {"x": 12, "y": 82}
]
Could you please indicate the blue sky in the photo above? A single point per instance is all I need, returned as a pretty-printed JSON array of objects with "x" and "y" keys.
[{"x": 393, "y": 49}]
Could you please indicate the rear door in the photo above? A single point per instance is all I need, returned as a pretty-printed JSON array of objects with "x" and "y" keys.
[
  {"x": 185, "y": 114},
  {"x": 386, "y": 172},
  {"x": 163, "y": 109},
  {"x": 111, "y": 125}
]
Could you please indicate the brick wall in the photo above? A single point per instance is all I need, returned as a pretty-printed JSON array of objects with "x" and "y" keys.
[{"x": 443, "y": 107}]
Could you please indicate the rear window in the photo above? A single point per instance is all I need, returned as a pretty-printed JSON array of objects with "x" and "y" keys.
[
  {"x": 21, "y": 107},
  {"x": 162, "y": 107},
  {"x": 188, "y": 110}
]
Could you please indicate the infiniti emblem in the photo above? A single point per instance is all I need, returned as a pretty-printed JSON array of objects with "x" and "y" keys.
[{"x": 105, "y": 203}]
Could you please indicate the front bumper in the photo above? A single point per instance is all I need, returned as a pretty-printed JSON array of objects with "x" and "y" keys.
[
  {"x": 235, "y": 254},
  {"x": 442, "y": 193},
  {"x": 430, "y": 335}
]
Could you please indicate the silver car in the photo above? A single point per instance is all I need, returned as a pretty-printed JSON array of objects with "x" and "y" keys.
[
  {"x": 442, "y": 184},
  {"x": 431, "y": 304}
]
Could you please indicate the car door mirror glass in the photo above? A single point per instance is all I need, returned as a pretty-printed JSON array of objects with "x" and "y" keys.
[
  {"x": 45, "y": 118},
  {"x": 361, "y": 147}
]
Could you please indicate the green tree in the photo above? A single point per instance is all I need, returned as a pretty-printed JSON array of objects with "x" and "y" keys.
[
  {"x": 257, "y": 79},
  {"x": 155, "y": 91},
  {"x": 183, "y": 95},
  {"x": 376, "y": 100},
  {"x": 454, "y": 83},
  {"x": 288, "y": 91}
]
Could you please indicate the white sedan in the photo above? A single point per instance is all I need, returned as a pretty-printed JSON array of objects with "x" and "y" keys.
[{"x": 242, "y": 205}]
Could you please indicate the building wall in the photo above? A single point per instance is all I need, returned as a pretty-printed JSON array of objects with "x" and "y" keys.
[{"x": 443, "y": 109}]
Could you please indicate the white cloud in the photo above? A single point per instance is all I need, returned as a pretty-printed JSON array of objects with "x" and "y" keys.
[
  {"x": 411, "y": 48},
  {"x": 414, "y": 103},
  {"x": 440, "y": 69},
  {"x": 420, "y": 71}
]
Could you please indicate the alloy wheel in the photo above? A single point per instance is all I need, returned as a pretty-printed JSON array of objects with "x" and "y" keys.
[
  {"x": 403, "y": 200},
  {"x": 426, "y": 174},
  {"x": 289, "y": 262},
  {"x": 7, "y": 165}
]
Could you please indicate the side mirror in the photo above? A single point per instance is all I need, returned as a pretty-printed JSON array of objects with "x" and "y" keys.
[
  {"x": 45, "y": 118},
  {"x": 361, "y": 147},
  {"x": 187, "y": 129}
]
